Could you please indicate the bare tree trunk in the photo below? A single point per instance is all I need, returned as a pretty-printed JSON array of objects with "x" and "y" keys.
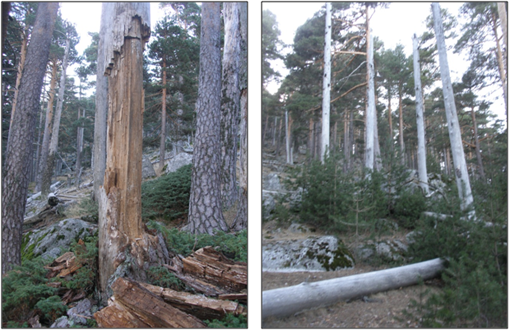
[
  {"x": 205, "y": 209},
  {"x": 287, "y": 136},
  {"x": 230, "y": 103},
  {"x": 279, "y": 140},
  {"x": 459, "y": 160},
  {"x": 370, "y": 129},
  {"x": 241, "y": 221},
  {"x": 347, "y": 141},
  {"x": 501, "y": 61},
  {"x": 390, "y": 119},
  {"x": 99, "y": 156},
  {"x": 311, "y": 133},
  {"x": 48, "y": 173},
  {"x": 43, "y": 161},
  {"x": 291, "y": 300},
  {"x": 162, "y": 140},
  {"x": 422, "y": 151},
  {"x": 79, "y": 148},
  {"x": 17, "y": 163},
  {"x": 326, "y": 86},
  {"x": 401, "y": 124}
]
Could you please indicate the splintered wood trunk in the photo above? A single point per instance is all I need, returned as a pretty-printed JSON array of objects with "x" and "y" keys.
[
  {"x": 124, "y": 248},
  {"x": 459, "y": 160}
]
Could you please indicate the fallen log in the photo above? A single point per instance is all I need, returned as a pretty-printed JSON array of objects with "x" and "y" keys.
[
  {"x": 137, "y": 302},
  {"x": 210, "y": 272},
  {"x": 198, "y": 305},
  {"x": 290, "y": 300}
]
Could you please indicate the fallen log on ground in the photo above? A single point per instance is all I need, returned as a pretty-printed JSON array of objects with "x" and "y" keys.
[
  {"x": 198, "y": 305},
  {"x": 210, "y": 272},
  {"x": 290, "y": 300},
  {"x": 134, "y": 306}
]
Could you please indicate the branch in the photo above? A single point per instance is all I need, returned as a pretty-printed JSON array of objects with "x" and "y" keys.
[{"x": 339, "y": 97}]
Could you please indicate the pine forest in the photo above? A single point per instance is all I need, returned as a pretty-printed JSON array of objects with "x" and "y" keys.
[
  {"x": 124, "y": 164},
  {"x": 384, "y": 165}
]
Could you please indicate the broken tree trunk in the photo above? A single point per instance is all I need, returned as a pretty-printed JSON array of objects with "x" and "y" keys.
[
  {"x": 135, "y": 306},
  {"x": 124, "y": 247},
  {"x": 290, "y": 300},
  {"x": 202, "y": 307}
]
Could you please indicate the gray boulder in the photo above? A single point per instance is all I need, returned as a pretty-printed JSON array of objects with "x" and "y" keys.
[
  {"x": 268, "y": 204},
  {"x": 386, "y": 250},
  {"x": 147, "y": 168},
  {"x": 77, "y": 313},
  {"x": 312, "y": 254},
  {"x": 178, "y": 161},
  {"x": 271, "y": 182},
  {"x": 50, "y": 241}
]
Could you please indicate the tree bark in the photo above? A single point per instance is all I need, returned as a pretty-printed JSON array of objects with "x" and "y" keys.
[
  {"x": 48, "y": 173},
  {"x": 99, "y": 156},
  {"x": 17, "y": 163},
  {"x": 501, "y": 62},
  {"x": 504, "y": 24},
  {"x": 205, "y": 213},
  {"x": 241, "y": 221},
  {"x": 459, "y": 160},
  {"x": 230, "y": 94},
  {"x": 290, "y": 300},
  {"x": 401, "y": 124},
  {"x": 43, "y": 161},
  {"x": 326, "y": 86},
  {"x": 422, "y": 151}
]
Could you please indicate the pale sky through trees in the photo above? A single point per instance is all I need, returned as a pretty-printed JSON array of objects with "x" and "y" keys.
[{"x": 393, "y": 25}]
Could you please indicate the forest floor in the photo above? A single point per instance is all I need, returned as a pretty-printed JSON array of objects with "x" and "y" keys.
[{"x": 385, "y": 309}]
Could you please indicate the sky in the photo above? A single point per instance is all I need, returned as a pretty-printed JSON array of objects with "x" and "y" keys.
[{"x": 393, "y": 25}]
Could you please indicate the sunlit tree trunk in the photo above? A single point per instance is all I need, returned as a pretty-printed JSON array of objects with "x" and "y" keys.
[
  {"x": 17, "y": 164},
  {"x": 422, "y": 151},
  {"x": 326, "y": 86},
  {"x": 459, "y": 160}
]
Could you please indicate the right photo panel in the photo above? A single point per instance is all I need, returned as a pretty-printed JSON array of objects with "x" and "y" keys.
[{"x": 384, "y": 165}]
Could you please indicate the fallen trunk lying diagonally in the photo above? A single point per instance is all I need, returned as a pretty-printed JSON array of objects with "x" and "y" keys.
[{"x": 290, "y": 300}]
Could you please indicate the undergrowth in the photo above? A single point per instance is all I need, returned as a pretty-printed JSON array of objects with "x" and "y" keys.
[
  {"x": 229, "y": 321},
  {"x": 167, "y": 197},
  {"x": 234, "y": 246}
]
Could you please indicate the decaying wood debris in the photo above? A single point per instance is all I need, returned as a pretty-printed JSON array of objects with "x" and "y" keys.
[{"x": 136, "y": 304}]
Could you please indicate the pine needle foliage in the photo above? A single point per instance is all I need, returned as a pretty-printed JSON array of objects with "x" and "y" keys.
[
  {"x": 167, "y": 197},
  {"x": 229, "y": 321},
  {"x": 475, "y": 292}
]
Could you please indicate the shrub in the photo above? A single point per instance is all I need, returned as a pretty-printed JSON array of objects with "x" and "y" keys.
[
  {"x": 167, "y": 197},
  {"x": 229, "y": 321},
  {"x": 475, "y": 292},
  {"x": 408, "y": 207},
  {"x": 234, "y": 246},
  {"x": 22, "y": 288},
  {"x": 160, "y": 276}
]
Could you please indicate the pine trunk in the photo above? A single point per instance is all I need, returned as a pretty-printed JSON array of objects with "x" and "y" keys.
[
  {"x": 501, "y": 61},
  {"x": 326, "y": 86},
  {"x": 162, "y": 140},
  {"x": 43, "y": 160},
  {"x": 459, "y": 160},
  {"x": 477, "y": 145},
  {"x": 48, "y": 173},
  {"x": 17, "y": 163},
  {"x": 205, "y": 209},
  {"x": 401, "y": 124},
  {"x": 422, "y": 151}
]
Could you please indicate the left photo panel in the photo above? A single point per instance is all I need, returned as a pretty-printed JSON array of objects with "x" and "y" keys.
[{"x": 124, "y": 164}]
